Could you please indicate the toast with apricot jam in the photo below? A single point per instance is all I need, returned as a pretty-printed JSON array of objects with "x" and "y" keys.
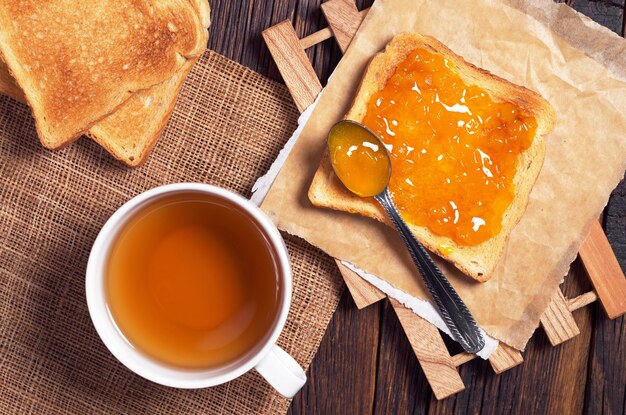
[{"x": 466, "y": 149}]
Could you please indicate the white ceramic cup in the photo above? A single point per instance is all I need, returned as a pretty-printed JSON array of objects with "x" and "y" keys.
[{"x": 273, "y": 363}]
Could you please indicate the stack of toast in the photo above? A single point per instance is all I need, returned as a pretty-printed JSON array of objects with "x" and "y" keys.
[{"x": 111, "y": 71}]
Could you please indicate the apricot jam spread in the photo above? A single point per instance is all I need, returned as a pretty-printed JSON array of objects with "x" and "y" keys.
[
  {"x": 454, "y": 149},
  {"x": 359, "y": 159}
]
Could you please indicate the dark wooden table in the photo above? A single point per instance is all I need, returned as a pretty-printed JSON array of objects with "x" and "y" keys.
[{"x": 365, "y": 363}]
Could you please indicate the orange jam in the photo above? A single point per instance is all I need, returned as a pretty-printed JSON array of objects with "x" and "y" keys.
[
  {"x": 359, "y": 159},
  {"x": 454, "y": 149}
]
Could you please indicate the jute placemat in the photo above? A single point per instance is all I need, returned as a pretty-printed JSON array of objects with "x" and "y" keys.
[{"x": 229, "y": 125}]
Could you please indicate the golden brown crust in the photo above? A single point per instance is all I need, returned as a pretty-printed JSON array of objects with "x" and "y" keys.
[
  {"x": 203, "y": 9},
  {"x": 73, "y": 75},
  {"x": 477, "y": 261}
]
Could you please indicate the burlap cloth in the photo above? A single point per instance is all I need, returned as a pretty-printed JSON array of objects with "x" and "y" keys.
[{"x": 228, "y": 126}]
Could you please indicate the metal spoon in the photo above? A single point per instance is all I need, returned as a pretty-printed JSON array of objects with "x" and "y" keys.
[{"x": 349, "y": 138}]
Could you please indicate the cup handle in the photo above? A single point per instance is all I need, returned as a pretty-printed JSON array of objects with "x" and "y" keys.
[{"x": 282, "y": 372}]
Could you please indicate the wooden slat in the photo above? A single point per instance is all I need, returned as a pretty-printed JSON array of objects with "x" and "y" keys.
[
  {"x": 557, "y": 320},
  {"x": 431, "y": 352},
  {"x": 504, "y": 358},
  {"x": 324, "y": 34},
  {"x": 293, "y": 64},
  {"x": 343, "y": 18},
  {"x": 363, "y": 293},
  {"x": 604, "y": 272},
  {"x": 581, "y": 301},
  {"x": 315, "y": 38},
  {"x": 462, "y": 358}
]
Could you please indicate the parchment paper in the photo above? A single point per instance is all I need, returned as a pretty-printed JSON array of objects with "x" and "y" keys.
[{"x": 586, "y": 154}]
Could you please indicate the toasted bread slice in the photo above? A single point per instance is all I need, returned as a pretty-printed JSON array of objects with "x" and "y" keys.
[
  {"x": 78, "y": 61},
  {"x": 131, "y": 132},
  {"x": 478, "y": 261}
]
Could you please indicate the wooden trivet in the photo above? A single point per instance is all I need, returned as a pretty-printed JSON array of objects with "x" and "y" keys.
[{"x": 439, "y": 366}]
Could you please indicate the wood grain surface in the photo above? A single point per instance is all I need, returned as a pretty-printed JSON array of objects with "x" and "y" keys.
[
  {"x": 365, "y": 363},
  {"x": 604, "y": 272}
]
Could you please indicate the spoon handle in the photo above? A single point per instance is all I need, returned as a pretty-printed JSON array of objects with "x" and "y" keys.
[{"x": 454, "y": 312}]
